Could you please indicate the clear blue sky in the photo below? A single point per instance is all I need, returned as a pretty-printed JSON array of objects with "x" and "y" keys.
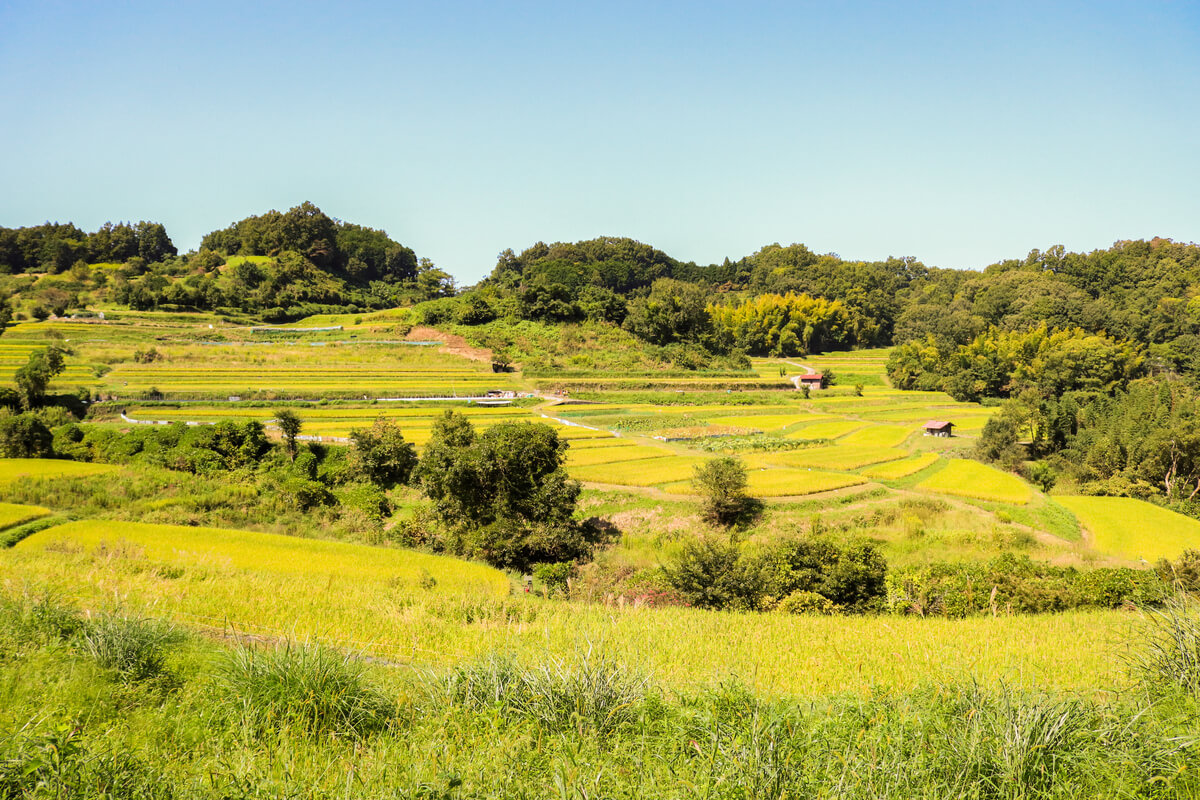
[{"x": 958, "y": 132}]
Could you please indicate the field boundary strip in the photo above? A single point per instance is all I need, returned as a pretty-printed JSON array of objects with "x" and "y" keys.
[{"x": 395, "y": 650}]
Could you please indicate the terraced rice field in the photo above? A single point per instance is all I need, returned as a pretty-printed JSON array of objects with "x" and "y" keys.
[
  {"x": 878, "y": 436},
  {"x": 827, "y": 430},
  {"x": 980, "y": 481},
  {"x": 337, "y": 421},
  {"x": 608, "y": 455},
  {"x": 767, "y": 422},
  {"x": 13, "y": 356},
  {"x": 649, "y": 472},
  {"x": 783, "y": 482},
  {"x": 845, "y": 457},
  {"x": 1134, "y": 529},
  {"x": 406, "y": 606},
  {"x": 328, "y": 380},
  {"x": 12, "y": 514},
  {"x": 894, "y": 470},
  {"x": 13, "y": 468}
]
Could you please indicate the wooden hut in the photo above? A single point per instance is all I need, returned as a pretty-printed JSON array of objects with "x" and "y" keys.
[{"x": 937, "y": 427}]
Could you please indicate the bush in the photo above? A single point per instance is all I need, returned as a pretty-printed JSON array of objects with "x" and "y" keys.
[
  {"x": 1017, "y": 584},
  {"x": 310, "y": 688},
  {"x": 805, "y": 602},
  {"x": 709, "y": 573},
  {"x": 134, "y": 648},
  {"x": 850, "y": 575},
  {"x": 554, "y": 577},
  {"x": 592, "y": 693},
  {"x": 381, "y": 455}
]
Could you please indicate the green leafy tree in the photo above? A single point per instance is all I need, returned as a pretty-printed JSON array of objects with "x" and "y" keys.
[
  {"x": 505, "y": 493},
  {"x": 289, "y": 425},
  {"x": 35, "y": 375},
  {"x": 24, "y": 436},
  {"x": 674, "y": 311},
  {"x": 721, "y": 483},
  {"x": 381, "y": 455}
]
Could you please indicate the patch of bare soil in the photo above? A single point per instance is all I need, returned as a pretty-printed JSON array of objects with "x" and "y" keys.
[{"x": 455, "y": 345}]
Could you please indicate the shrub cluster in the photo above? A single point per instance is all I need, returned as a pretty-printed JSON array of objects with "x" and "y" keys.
[
  {"x": 792, "y": 575},
  {"x": 1017, "y": 584}
]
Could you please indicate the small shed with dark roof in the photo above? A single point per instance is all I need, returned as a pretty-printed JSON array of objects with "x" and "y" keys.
[
  {"x": 813, "y": 380},
  {"x": 937, "y": 427}
]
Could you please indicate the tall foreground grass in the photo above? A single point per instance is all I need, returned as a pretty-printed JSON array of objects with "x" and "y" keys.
[{"x": 295, "y": 721}]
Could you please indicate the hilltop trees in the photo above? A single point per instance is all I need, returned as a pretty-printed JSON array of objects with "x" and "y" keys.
[
  {"x": 674, "y": 311},
  {"x": 791, "y": 325},
  {"x": 55, "y": 248},
  {"x": 1002, "y": 363}
]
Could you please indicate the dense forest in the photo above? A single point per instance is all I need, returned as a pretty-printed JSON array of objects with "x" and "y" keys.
[{"x": 279, "y": 266}]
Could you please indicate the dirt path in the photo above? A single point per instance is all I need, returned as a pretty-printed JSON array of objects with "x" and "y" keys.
[{"x": 455, "y": 345}]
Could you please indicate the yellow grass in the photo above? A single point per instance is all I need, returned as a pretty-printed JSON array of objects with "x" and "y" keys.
[
  {"x": 13, "y": 468},
  {"x": 1134, "y": 529},
  {"x": 367, "y": 601},
  {"x": 591, "y": 444},
  {"x": 973, "y": 479}
]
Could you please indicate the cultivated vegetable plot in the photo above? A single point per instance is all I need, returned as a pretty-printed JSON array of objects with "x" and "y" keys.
[
  {"x": 1134, "y": 529},
  {"x": 973, "y": 479}
]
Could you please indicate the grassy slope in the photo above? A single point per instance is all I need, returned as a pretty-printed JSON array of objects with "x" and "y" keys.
[{"x": 373, "y": 599}]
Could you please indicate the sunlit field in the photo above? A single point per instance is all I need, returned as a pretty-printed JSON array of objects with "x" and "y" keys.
[
  {"x": 420, "y": 608},
  {"x": 1134, "y": 529},
  {"x": 979, "y": 481},
  {"x": 14, "y": 468}
]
